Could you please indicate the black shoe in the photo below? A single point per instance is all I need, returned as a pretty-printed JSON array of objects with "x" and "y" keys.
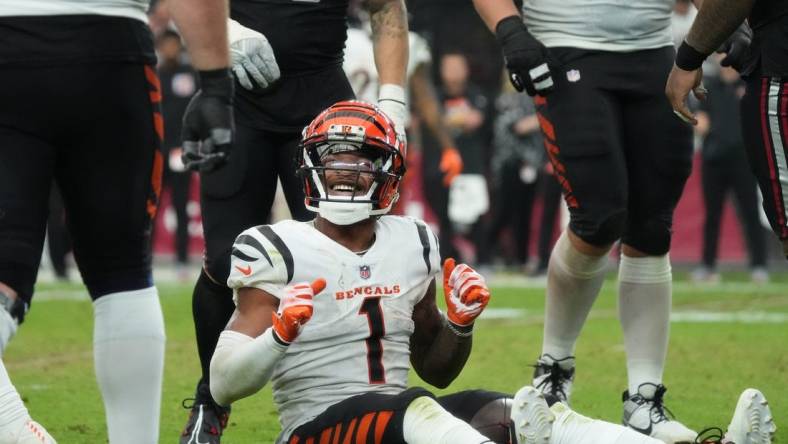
[
  {"x": 554, "y": 376},
  {"x": 207, "y": 419}
]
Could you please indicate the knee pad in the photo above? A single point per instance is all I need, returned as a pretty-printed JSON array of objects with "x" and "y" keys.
[
  {"x": 600, "y": 230},
  {"x": 650, "y": 236}
]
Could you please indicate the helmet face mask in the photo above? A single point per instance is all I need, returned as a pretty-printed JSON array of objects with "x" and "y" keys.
[{"x": 351, "y": 163}]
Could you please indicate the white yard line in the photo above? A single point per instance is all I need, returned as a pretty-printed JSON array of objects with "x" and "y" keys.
[{"x": 680, "y": 316}]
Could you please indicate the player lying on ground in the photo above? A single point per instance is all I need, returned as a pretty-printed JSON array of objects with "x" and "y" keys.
[{"x": 332, "y": 311}]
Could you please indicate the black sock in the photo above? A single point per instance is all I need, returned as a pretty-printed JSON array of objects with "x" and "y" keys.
[{"x": 212, "y": 306}]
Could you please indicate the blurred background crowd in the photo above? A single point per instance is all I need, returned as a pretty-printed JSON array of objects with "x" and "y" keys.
[{"x": 504, "y": 212}]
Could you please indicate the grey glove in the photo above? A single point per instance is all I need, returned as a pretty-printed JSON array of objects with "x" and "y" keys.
[{"x": 252, "y": 56}]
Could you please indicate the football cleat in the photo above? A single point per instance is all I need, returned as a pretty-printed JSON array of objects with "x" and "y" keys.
[
  {"x": 207, "y": 419},
  {"x": 555, "y": 376},
  {"x": 532, "y": 418},
  {"x": 645, "y": 412},
  {"x": 752, "y": 421},
  {"x": 25, "y": 432}
]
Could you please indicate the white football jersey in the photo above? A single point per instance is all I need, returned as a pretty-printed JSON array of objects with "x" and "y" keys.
[
  {"x": 117, "y": 8},
  {"x": 359, "y": 63},
  {"x": 606, "y": 25},
  {"x": 358, "y": 339}
]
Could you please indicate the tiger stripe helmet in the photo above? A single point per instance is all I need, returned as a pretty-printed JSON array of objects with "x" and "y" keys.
[{"x": 352, "y": 126}]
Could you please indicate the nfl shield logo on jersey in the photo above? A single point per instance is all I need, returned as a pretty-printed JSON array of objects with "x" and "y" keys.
[
  {"x": 573, "y": 75},
  {"x": 364, "y": 271}
]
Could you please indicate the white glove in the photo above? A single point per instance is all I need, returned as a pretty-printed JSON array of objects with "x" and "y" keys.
[
  {"x": 251, "y": 55},
  {"x": 391, "y": 100}
]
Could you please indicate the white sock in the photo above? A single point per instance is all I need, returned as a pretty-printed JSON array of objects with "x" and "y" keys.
[
  {"x": 12, "y": 409},
  {"x": 128, "y": 349},
  {"x": 573, "y": 428},
  {"x": 644, "y": 299},
  {"x": 426, "y": 422},
  {"x": 573, "y": 283}
]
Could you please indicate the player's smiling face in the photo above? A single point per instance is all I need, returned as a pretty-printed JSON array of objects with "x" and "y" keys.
[{"x": 348, "y": 174}]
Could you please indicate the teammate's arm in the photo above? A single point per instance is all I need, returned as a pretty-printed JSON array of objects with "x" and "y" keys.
[
  {"x": 526, "y": 58},
  {"x": 203, "y": 25},
  {"x": 257, "y": 337},
  {"x": 425, "y": 103},
  {"x": 493, "y": 11},
  {"x": 437, "y": 353},
  {"x": 715, "y": 22},
  {"x": 390, "y": 45},
  {"x": 208, "y": 120}
]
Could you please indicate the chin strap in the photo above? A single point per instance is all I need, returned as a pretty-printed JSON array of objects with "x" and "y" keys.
[{"x": 344, "y": 213}]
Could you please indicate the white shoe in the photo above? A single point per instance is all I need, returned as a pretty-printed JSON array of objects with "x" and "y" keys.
[
  {"x": 26, "y": 432},
  {"x": 644, "y": 412},
  {"x": 752, "y": 421},
  {"x": 532, "y": 418}
]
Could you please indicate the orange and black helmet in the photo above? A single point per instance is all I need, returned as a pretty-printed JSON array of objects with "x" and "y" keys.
[{"x": 358, "y": 127}]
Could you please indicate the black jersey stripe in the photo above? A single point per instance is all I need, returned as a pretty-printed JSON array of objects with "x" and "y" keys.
[
  {"x": 277, "y": 242},
  {"x": 248, "y": 240},
  {"x": 425, "y": 245},
  {"x": 243, "y": 256}
]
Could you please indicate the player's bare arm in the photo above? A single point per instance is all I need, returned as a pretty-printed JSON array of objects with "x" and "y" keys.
[
  {"x": 438, "y": 354},
  {"x": 390, "y": 39},
  {"x": 253, "y": 313},
  {"x": 440, "y": 346},
  {"x": 389, "y": 22},
  {"x": 425, "y": 103},
  {"x": 493, "y": 11},
  {"x": 203, "y": 24},
  {"x": 715, "y": 21}
]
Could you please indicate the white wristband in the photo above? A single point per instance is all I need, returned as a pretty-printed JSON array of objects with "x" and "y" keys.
[
  {"x": 391, "y": 99},
  {"x": 242, "y": 365}
]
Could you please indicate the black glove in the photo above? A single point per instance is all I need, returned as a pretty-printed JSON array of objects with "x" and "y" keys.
[
  {"x": 526, "y": 58},
  {"x": 208, "y": 125},
  {"x": 737, "y": 47}
]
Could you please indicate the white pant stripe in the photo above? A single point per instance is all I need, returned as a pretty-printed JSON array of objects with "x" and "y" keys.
[{"x": 777, "y": 141}]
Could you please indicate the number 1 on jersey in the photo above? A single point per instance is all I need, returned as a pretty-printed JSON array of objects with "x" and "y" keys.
[{"x": 377, "y": 329}]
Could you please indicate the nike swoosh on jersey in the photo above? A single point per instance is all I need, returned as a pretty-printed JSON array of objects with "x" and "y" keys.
[{"x": 246, "y": 271}]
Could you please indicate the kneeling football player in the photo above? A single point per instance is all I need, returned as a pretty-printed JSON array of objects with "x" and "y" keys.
[{"x": 333, "y": 312}]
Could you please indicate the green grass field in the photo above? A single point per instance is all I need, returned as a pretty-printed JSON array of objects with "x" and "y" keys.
[{"x": 729, "y": 337}]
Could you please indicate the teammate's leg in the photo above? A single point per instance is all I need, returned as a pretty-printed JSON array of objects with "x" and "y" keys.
[
  {"x": 26, "y": 168},
  {"x": 764, "y": 116},
  {"x": 715, "y": 187},
  {"x": 582, "y": 134},
  {"x": 745, "y": 191},
  {"x": 233, "y": 198},
  {"x": 659, "y": 159},
  {"x": 110, "y": 177},
  {"x": 286, "y": 166}
]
